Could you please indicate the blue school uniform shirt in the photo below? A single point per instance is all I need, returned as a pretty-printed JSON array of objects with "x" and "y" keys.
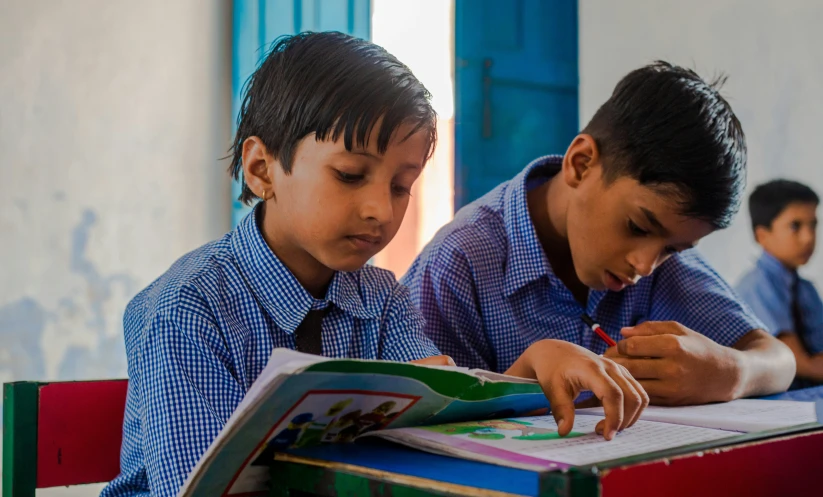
[
  {"x": 198, "y": 337},
  {"x": 767, "y": 289},
  {"x": 487, "y": 290}
]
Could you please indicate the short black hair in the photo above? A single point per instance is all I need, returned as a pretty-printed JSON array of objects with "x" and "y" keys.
[
  {"x": 333, "y": 85},
  {"x": 667, "y": 128},
  {"x": 768, "y": 200}
]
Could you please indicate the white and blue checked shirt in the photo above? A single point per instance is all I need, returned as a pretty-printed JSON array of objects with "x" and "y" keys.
[
  {"x": 198, "y": 337},
  {"x": 487, "y": 290}
]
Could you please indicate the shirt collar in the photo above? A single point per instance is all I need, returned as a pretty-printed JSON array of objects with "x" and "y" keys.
[
  {"x": 775, "y": 269},
  {"x": 526, "y": 260},
  {"x": 277, "y": 289}
]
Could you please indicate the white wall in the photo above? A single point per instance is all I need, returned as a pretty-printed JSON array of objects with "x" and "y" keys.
[
  {"x": 113, "y": 115},
  {"x": 396, "y": 27},
  {"x": 772, "y": 53}
]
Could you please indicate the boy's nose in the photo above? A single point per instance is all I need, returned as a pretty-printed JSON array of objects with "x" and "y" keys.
[
  {"x": 377, "y": 205},
  {"x": 644, "y": 262},
  {"x": 645, "y": 267},
  {"x": 807, "y": 235}
]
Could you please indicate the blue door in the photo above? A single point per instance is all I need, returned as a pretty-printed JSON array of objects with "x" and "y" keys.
[
  {"x": 257, "y": 23},
  {"x": 516, "y": 88}
]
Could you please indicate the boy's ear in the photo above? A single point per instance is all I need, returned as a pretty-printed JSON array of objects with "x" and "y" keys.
[
  {"x": 760, "y": 234},
  {"x": 257, "y": 167},
  {"x": 581, "y": 156}
]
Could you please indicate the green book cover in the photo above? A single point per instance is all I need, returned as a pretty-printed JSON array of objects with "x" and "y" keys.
[{"x": 301, "y": 400}]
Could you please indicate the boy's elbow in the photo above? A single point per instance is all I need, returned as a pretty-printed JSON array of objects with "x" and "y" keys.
[
  {"x": 809, "y": 367},
  {"x": 770, "y": 363},
  {"x": 790, "y": 365},
  {"x": 783, "y": 364}
]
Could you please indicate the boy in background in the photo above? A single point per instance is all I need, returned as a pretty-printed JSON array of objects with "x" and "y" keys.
[{"x": 784, "y": 220}]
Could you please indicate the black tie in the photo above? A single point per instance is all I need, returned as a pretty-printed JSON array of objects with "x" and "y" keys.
[
  {"x": 799, "y": 329},
  {"x": 797, "y": 314},
  {"x": 308, "y": 336}
]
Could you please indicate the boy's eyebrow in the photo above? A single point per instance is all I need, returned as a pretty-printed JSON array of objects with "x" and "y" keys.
[
  {"x": 364, "y": 152},
  {"x": 411, "y": 165},
  {"x": 654, "y": 221},
  {"x": 657, "y": 224}
]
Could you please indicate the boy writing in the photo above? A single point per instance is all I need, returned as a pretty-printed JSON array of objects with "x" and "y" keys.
[
  {"x": 332, "y": 134},
  {"x": 784, "y": 220},
  {"x": 608, "y": 229}
]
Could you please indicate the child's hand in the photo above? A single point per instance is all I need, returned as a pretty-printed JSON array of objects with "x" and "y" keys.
[
  {"x": 435, "y": 360},
  {"x": 678, "y": 366},
  {"x": 564, "y": 369}
]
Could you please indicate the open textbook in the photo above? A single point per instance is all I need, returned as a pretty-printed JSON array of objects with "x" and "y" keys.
[{"x": 302, "y": 400}]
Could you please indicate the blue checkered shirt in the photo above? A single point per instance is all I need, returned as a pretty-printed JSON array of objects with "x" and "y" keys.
[
  {"x": 487, "y": 290},
  {"x": 198, "y": 337}
]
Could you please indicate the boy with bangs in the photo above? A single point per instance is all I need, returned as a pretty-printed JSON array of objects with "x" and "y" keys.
[{"x": 332, "y": 134}]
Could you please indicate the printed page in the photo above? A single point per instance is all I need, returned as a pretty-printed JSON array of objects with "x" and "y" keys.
[
  {"x": 744, "y": 415},
  {"x": 533, "y": 443}
]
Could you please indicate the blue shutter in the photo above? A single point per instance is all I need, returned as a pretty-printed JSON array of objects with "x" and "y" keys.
[
  {"x": 516, "y": 88},
  {"x": 257, "y": 23}
]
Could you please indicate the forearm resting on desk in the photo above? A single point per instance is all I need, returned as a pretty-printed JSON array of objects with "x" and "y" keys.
[
  {"x": 809, "y": 366},
  {"x": 766, "y": 365}
]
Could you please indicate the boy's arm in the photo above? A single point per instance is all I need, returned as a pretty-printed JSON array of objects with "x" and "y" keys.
[
  {"x": 679, "y": 366},
  {"x": 809, "y": 366},
  {"x": 808, "y": 350},
  {"x": 766, "y": 364},
  {"x": 700, "y": 343},
  {"x": 443, "y": 289},
  {"x": 774, "y": 309},
  {"x": 187, "y": 396}
]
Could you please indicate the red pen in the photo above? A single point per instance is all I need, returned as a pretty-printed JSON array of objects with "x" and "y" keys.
[{"x": 597, "y": 329}]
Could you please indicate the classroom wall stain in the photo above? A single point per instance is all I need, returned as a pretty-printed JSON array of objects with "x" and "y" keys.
[
  {"x": 110, "y": 141},
  {"x": 97, "y": 348},
  {"x": 21, "y": 328}
]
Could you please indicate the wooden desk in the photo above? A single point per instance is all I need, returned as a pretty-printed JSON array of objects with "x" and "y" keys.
[{"x": 783, "y": 462}]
